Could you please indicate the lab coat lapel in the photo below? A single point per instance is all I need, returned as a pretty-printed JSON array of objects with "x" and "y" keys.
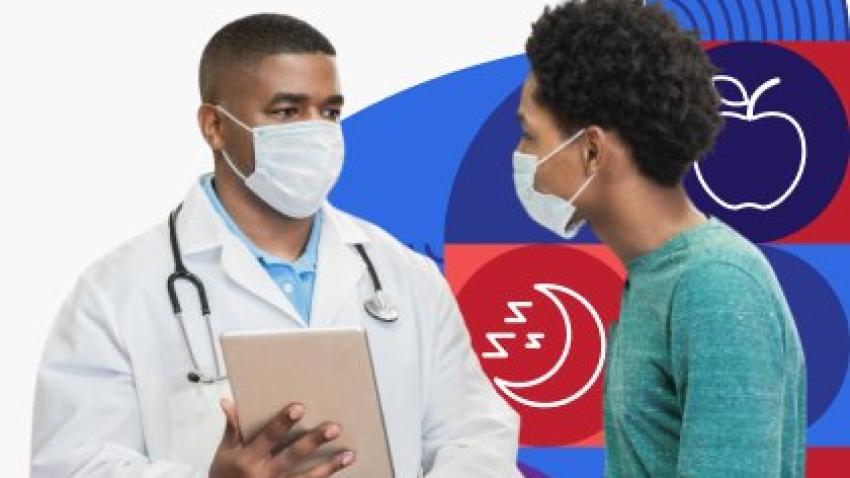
[
  {"x": 200, "y": 228},
  {"x": 241, "y": 266},
  {"x": 338, "y": 271}
]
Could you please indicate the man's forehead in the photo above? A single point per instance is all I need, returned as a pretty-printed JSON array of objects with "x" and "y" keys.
[
  {"x": 311, "y": 75},
  {"x": 304, "y": 70}
]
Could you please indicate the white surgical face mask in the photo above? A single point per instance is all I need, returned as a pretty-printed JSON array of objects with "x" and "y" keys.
[
  {"x": 548, "y": 210},
  {"x": 295, "y": 164}
]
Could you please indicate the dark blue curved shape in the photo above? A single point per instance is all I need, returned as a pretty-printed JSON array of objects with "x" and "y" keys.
[
  {"x": 779, "y": 20},
  {"x": 771, "y": 22},
  {"x": 687, "y": 13},
  {"x": 756, "y": 5},
  {"x": 841, "y": 18},
  {"x": 727, "y": 20},
  {"x": 821, "y": 321},
  {"x": 830, "y": 261},
  {"x": 746, "y": 17},
  {"x": 795, "y": 16},
  {"x": 712, "y": 30},
  {"x": 806, "y": 20},
  {"x": 529, "y": 472},
  {"x": 829, "y": 20},
  {"x": 817, "y": 19},
  {"x": 738, "y": 21}
]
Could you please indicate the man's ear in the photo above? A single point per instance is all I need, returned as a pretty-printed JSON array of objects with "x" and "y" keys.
[
  {"x": 209, "y": 122},
  {"x": 594, "y": 149}
]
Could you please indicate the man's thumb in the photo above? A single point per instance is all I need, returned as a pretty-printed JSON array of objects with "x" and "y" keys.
[{"x": 232, "y": 436}]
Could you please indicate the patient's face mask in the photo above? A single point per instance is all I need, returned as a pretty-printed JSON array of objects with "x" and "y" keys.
[
  {"x": 548, "y": 210},
  {"x": 295, "y": 164}
]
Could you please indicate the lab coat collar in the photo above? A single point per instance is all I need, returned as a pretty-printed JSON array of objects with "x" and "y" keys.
[
  {"x": 201, "y": 228},
  {"x": 339, "y": 267}
]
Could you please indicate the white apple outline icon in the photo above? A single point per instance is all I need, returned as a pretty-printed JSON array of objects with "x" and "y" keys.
[{"x": 750, "y": 104}]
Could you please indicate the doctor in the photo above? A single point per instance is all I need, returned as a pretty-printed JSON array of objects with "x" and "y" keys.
[{"x": 113, "y": 398}]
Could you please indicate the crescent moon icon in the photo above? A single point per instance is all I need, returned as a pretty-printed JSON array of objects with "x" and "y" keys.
[{"x": 509, "y": 387}]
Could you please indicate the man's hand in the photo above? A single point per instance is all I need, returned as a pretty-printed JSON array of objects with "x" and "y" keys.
[{"x": 263, "y": 457}]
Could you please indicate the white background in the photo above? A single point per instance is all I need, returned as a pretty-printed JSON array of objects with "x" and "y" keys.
[{"x": 98, "y": 138}]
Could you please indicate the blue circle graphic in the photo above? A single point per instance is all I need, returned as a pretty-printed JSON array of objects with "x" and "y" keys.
[
  {"x": 822, "y": 325},
  {"x": 782, "y": 153}
]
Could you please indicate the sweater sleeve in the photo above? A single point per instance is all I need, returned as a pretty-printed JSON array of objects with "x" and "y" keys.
[{"x": 727, "y": 356}]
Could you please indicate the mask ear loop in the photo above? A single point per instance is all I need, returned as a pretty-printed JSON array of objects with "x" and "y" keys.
[
  {"x": 560, "y": 147},
  {"x": 582, "y": 188},
  {"x": 235, "y": 119},
  {"x": 586, "y": 182},
  {"x": 227, "y": 159},
  {"x": 233, "y": 166}
]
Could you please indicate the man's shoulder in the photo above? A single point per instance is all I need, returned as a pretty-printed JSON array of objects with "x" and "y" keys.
[
  {"x": 387, "y": 244},
  {"x": 141, "y": 252}
]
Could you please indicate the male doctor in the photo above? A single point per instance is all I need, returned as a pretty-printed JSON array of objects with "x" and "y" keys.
[{"x": 113, "y": 398}]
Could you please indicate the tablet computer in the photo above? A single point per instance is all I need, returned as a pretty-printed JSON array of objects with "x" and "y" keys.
[{"x": 329, "y": 371}]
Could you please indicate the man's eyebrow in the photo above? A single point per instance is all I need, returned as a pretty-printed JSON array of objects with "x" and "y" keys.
[
  {"x": 283, "y": 96},
  {"x": 336, "y": 100},
  {"x": 521, "y": 118}
]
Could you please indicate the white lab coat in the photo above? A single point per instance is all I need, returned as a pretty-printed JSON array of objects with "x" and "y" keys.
[{"x": 112, "y": 397}]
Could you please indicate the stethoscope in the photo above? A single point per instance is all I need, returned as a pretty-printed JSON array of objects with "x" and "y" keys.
[{"x": 378, "y": 306}]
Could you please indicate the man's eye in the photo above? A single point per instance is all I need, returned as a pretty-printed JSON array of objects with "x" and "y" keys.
[
  {"x": 286, "y": 112},
  {"x": 332, "y": 113},
  {"x": 526, "y": 136}
]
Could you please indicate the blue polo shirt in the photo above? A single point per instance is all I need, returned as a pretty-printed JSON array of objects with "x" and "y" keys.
[{"x": 295, "y": 279}]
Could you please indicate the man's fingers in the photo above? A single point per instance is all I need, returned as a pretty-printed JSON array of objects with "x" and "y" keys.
[
  {"x": 306, "y": 444},
  {"x": 277, "y": 429},
  {"x": 231, "y": 437},
  {"x": 329, "y": 467}
]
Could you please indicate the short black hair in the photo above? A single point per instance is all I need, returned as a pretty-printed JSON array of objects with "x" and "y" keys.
[
  {"x": 627, "y": 67},
  {"x": 251, "y": 38}
]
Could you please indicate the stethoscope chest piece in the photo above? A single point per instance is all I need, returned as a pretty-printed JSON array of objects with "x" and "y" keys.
[{"x": 379, "y": 308}]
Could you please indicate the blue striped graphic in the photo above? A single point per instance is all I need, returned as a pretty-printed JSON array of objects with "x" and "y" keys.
[{"x": 753, "y": 20}]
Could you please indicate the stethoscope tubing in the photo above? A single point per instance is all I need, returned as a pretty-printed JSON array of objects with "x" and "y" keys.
[{"x": 378, "y": 306}]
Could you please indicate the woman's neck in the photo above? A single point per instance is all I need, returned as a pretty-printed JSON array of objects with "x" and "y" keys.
[{"x": 645, "y": 217}]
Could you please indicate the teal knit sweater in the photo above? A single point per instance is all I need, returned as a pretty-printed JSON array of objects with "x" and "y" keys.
[{"x": 705, "y": 373}]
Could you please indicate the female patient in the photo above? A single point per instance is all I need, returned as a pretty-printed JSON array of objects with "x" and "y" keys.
[{"x": 705, "y": 373}]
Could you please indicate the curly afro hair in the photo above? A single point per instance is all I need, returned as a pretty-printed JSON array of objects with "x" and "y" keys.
[{"x": 628, "y": 68}]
